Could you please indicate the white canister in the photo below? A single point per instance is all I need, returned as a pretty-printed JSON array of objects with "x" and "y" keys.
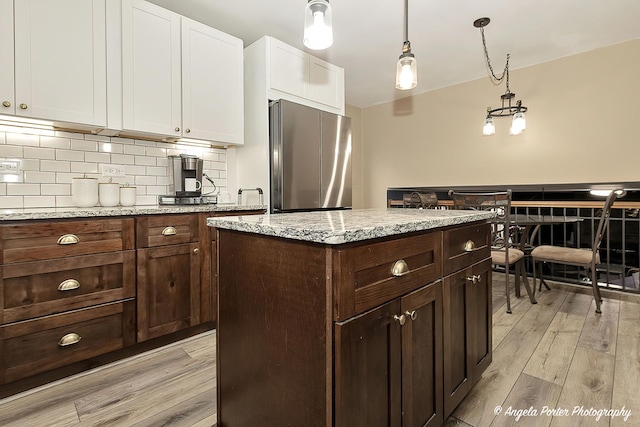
[
  {"x": 84, "y": 192},
  {"x": 109, "y": 193},
  {"x": 127, "y": 196}
]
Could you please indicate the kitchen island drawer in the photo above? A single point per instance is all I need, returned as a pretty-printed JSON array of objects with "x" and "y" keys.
[
  {"x": 464, "y": 246},
  {"x": 372, "y": 274},
  {"x": 40, "y": 288},
  {"x": 34, "y": 241},
  {"x": 49, "y": 342},
  {"x": 162, "y": 230}
]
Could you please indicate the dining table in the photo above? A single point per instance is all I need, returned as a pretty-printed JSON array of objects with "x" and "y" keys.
[{"x": 528, "y": 226}]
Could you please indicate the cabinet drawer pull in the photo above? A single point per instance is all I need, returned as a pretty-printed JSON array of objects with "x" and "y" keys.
[
  {"x": 469, "y": 246},
  {"x": 475, "y": 279},
  {"x": 69, "y": 339},
  {"x": 69, "y": 285},
  {"x": 400, "y": 268},
  {"x": 68, "y": 239},
  {"x": 401, "y": 319},
  {"x": 411, "y": 314},
  {"x": 169, "y": 231}
]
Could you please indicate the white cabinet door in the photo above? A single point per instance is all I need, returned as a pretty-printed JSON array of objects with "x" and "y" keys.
[
  {"x": 212, "y": 84},
  {"x": 7, "y": 103},
  {"x": 151, "y": 93},
  {"x": 60, "y": 60},
  {"x": 326, "y": 83},
  {"x": 289, "y": 69}
]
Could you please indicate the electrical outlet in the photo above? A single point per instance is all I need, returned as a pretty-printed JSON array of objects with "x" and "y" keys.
[
  {"x": 10, "y": 166},
  {"x": 111, "y": 170}
]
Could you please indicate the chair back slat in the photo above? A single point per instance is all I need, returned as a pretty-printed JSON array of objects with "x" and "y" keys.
[{"x": 604, "y": 220}]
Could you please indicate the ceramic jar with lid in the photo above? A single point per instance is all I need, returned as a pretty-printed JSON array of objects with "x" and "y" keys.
[
  {"x": 127, "y": 195},
  {"x": 84, "y": 191},
  {"x": 109, "y": 193}
]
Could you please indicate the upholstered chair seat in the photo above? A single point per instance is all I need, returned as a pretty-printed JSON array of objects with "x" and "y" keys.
[
  {"x": 498, "y": 256},
  {"x": 563, "y": 255}
]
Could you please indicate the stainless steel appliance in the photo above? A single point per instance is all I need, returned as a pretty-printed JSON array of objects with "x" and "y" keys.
[
  {"x": 185, "y": 182},
  {"x": 310, "y": 158}
]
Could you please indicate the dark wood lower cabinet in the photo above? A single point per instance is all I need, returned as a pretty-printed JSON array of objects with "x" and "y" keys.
[
  {"x": 168, "y": 296},
  {"x": 388, "y": 363},
  {"x": 467, "y": 330}
]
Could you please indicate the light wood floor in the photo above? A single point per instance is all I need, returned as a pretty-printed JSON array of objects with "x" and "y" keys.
[{"x": 557, "y": 353}]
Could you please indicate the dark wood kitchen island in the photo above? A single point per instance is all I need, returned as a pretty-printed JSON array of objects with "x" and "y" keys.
[{"x": 373, "y": 317}]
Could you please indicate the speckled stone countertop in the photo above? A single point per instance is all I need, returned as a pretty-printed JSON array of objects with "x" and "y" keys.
[
  {"x": 72, "y": 212},
  {"x": 343, "y": 226}
]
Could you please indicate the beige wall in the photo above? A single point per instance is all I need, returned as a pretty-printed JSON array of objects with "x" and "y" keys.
[
  {"x": 356, "y": 159},
  {"x": 583, "y": 126}
]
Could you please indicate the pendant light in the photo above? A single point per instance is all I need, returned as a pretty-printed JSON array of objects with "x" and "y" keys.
[
  {"x": 318, "y": 32},
  {"x": 407, "y": 69},
  {"x": 507, "y": 109}
]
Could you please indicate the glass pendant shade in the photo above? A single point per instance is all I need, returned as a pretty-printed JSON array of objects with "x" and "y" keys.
[
  {"x": 318, "y": 32},
  {"x": 407, "y": 72},
  {"x": 518, "y": 124},
  {"x": 488, "y": 128}
]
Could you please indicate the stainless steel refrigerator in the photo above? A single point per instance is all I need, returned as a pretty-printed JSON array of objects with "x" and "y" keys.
[{"x": 310, "y": 158}]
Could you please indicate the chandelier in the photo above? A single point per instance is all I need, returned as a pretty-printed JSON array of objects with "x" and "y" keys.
[
  {"x": 508, "y": 107},
  {"x": 407, "y": 68}
]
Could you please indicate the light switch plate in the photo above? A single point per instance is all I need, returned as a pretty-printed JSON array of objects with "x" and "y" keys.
[{"x": 111, "y": 170}]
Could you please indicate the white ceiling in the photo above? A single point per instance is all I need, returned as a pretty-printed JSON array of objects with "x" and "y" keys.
[{"x": 368, "y": 35}]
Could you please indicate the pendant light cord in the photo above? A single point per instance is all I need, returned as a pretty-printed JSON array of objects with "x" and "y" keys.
[
  {"x": 505, "y": 72},
  {"x": 406, "y": 20}
]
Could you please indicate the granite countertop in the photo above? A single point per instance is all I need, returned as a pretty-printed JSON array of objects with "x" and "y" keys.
[
  {"x": 73, "y": 212},
  {"x": 343, "y": 226}
]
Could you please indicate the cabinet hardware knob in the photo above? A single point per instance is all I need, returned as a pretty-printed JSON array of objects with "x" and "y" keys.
[
  {"x": 411, "y": 314},
  {"x": 68, "y": 239},
  {"x": 177, "y": 129},
  {"x": 469, "y": 246},
  {"x": 69, "y": 285},
  {"x": 401, "y": 319},
  {"x": 69, "y": 339},
  {"x": 196, "y": 250},
  {"x": 187, "y": 130},
  {"x": 400, "y": 268},
  {"x": 474, "y": 278},
  {"x": 6, "y": 104},
  {"x": 169, "y": 231},
  {"x": 23, "y": 106}
]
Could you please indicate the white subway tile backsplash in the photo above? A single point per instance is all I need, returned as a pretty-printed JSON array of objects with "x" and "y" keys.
[
  {"x": 22, "y": 189},
  {"x": 11, "y": 202},
  {"x": 39, "y": 201},
  {"x": 39, "y": 153},
  {"x": 81, "y": 168},
  {"x": 55, "y": 166},
  {"x": 134, "y": 150},
  {"x": 22, "y": 139},
  {"x": 144, "y": 160},
  {"x": 11, "y": 151},
  {"x": 70, "y": 155},
  {"x": 39, "y": 177},
  {"x": 122, "y": 159},
  {"x": 51, "y": 159},
  {"x": 55, "y": 189},
  {"x": 82, "y": 145},
  {"x": 97, "y": 157},
  {"x": 55, "y": 142}
]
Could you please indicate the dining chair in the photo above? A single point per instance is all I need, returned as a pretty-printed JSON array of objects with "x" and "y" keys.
[
  {"x": 586, "y": 258},
  {"x": 502, "y": 253},
  {"x": 420, "y": 200}
]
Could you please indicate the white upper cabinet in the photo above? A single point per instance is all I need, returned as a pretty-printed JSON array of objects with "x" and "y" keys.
[
  {"x": 212, "y": 84},
  {"x": 180, "y": 78},
  {"x": 7, "y": 101},
  {"x": 60, "y": 60},
  {"x": 151, "y": 93},
  {"x": 309, "y": 79}
]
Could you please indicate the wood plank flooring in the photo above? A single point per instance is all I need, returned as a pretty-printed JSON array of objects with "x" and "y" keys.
[{"x": 558, "y": 353}]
